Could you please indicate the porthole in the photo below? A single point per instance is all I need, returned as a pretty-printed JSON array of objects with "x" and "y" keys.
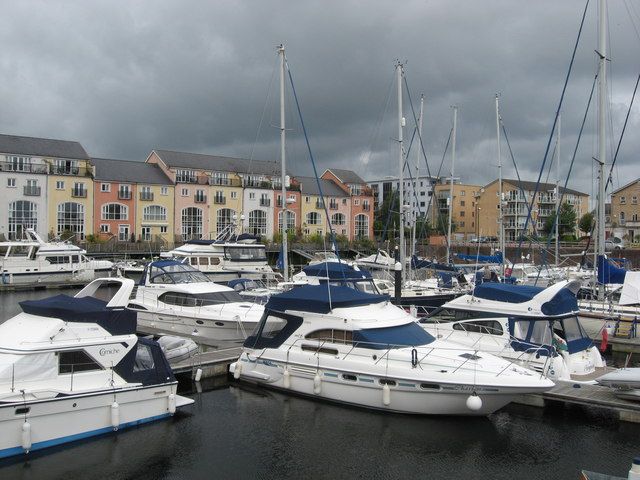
[
  {"x": 219, "y": 324},
  {"x": 430, "y": 386},
  {"x": 200, "y": 322},
  {"x": 348, "y": 376},
  {"x": 23, "y": 410},
  {"x": 386, "y": 381}
]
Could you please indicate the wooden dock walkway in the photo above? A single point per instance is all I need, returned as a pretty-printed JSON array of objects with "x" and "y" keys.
[{"x": 211, "y": 362}]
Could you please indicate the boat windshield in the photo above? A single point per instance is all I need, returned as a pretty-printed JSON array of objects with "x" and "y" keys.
[
  {"x": 176, "y": 273},
  {"x": 366, "y": 286},
  {"x": 407, "y": 335},
  {"x": 245, "y": 253}
]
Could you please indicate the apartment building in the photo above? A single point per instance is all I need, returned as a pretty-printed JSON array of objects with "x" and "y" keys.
[
  {"x": 314, "y": 218},
  {"x": 360, "y": 200},
  {"x": 625, "y": 211},
  {"x": 463, "y": 204},
  {"x": 417, "y": 193}
]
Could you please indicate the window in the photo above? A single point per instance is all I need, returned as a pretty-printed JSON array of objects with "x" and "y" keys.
[
  {"x": 19, "y": 164},
  {"x": 60, "y": 185},
  {"x": 164, "y": 190},
  {"x": 344, "y": 201},
  {"x": 144, "y": 358},
  {"x": 621, "y": 215},
  {"x": 307, "y": 199},
  {"x": 252, "y": 196},
  {"x": 66, "y": 167},
  {"x": 105, "y": 187},
  {"x": 22, "y": 215},
  {"x": 313, "y": 218},
  {"x": 634, "y": 200},
  {"x": 200, "y": 196},
  {"x": 124, "y": 192},
  {"x": 11, "y": 182},
  {"x": 146, "y": 234},
  {"x": 146, "y": 193},
  {"x": 338, "y": 219},
  {"x": 361, "y": 226},
  {"x": 291, "y": 221},
  {"x": 623, "y": 200},
  {"x": 154, "y": 213},
  {"x": 123, "y": 233},
  {"x": 76, "y": 361},
  {"x": 163, "y": 229},
  {"x": 220, "y": 178},
  {"x": 332, "y": 335},
  {"x": 234, "y": 195},
  {"x": 245, "y": 253},
  {"x": 462, "y": 213},
  {"x": 185, "y": 176},
  {"x": 273, "y": 330},
  {"x": 78, "y": 190},
  {"x": 258, "y": 222},
  {"x": 356, "y": 201},
  {"x": 462, "y": 193},
  {"x": 104, "y": 228},
  {"x": 462, "y": 203},
  {"x": 265, "y": 201},
  {"x": 191, "y": 223},
  {"x": 185, "y": 192},
  {"x": 115, "y": 211},
  {"x": 224, "y": 218},
  {"x": 71, "y": 218}
]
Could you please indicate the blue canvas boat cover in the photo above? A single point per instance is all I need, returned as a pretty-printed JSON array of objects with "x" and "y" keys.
[
  {"x": 335, "y": 271},
  {"x": 200, "y": 242},
  {"x": 609, "y": 272},
  {"x": 563, "y": 302},
  {"x": 321, "y": 299},
  {"x": 497, "y": 258},
  {"x": 86, "y": 310},
  {"x": 417, "y": 263}
]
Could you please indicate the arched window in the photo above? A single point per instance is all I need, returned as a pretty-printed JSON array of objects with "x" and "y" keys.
[
  {"x": 361, "y": 226},
  {"x": 71, "y": 218},
  {"x": 224, "y": 218},
  {"x": 191, "y": 223},
  {"x": 154, "y": 213},
  {"x": 257, "y": 222},
  {"x": 22, "y": 215},
  {"x": 313, "y": 218},
  {"x": 338, "y": 219},
  {"x": 115, "y": 211},
  {"x": 291, "y": 221}
]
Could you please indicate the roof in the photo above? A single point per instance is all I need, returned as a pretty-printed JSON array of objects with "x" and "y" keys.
[
  {"x": 129, "y": 171},
  {"x": 346, "y": 176},
  {"x": 625, "y": 186},
  {"x": 335, "y": 271},
  {"x": 218, "y": 163},
  {"x": 321, "y": 299},
  {"x": 528, "y": 186},
  {"x": 44, "y": 147},
  {"x": 309, "y": 186}
]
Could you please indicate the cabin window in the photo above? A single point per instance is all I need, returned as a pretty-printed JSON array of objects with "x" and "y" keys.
[
  {"x": 245, "y": 253},
  {"x": 144, "y": 358},
  {"x": 273, "y": 329},
  {"x": 386, "y": 381},
  {"x": 332, "y": 335},
  {"x": 203, "y": 261},
  {"x": 317, "y": 349},
  {"x": 491, "y": 327},
  {"x": 194, "y": 261},
  {"x": 76, "y": 361},
  {"x": 350, "y": 377},
  {"x": 179, "y": 299},
  {"x": 572, "y": 329},
  {"x": 201, "y": 299}
]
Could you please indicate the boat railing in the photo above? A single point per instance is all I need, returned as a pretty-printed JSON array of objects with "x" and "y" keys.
[{"x": 70, "y": 369}]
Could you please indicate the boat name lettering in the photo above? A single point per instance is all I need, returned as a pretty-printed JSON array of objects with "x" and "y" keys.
[{"x": 108, "y": 351}]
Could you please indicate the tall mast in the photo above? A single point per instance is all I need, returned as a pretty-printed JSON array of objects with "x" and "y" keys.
[
  {"x": 453, "y": 164},
  {"x": 557, "y": 252},
  {"x": 500, "y": 194},
  {"x": 285, "y": 262},
  {"x": 401, "y": 167},
  {"x": 602, "y": 147},
  {"x": 415, "y": 178}
]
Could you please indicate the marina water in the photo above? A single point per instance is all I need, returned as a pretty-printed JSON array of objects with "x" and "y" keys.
[{"x": 241, "y": 432}]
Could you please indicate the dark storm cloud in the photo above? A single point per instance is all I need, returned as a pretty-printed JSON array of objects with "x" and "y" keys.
[{"x": 126, "y": 77}]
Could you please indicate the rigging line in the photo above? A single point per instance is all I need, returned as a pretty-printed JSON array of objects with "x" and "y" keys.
[
  {"x": 264, "y": 109},
  {"x": 633, "y": 23},
  {"x": 555, "y": 120},
  {"x": 313, "y": 163},
  {"x": 378, "y": 126},
  {"x": 615, "y": 157}
]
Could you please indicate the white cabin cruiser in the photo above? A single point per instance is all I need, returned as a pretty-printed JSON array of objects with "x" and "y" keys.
[
  {"x": 226, "y": 258},
  {"x": 32, "y": 260},
  {"x": 338, "y": 344},
  {"x": 177, "y": 299},
  {"x": 73, "y": 367},
  {"x": 625, "y": 383},
  {"x": 535, "y": 327}
]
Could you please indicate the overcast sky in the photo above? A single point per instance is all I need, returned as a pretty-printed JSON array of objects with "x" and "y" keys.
[{"x": 125, "y": 77}]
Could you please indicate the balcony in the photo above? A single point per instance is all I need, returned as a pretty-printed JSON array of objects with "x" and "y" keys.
[
  {"x": 124, "y": 194},
  {"x": 226, "y": 182},
  {"x": 79, "y": 192},
  {"x": 265, "y": 202},
  {"x": 69, "y": 170},
  {"x": 220, "y": 200},
  {"x": 22, "y": 167},
  {"x": 200, "y": 198},
  {"x": 333, "y": 205},
  {"x": 146, "y": 196},
  {"x": 257, "y": 183},
  {"x": 366, "y": 207},
  {"x": 32, "y": 191},
  {"x": 319, "y": 204}
]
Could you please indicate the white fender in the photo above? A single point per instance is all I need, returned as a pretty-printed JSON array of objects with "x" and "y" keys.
[
  {"x": 237, "y": 371},
  {"x": 474, "y": 402},
  {"x": 26, "y": 436},
  {"x": 115, "y": 415},
  {"x": 286, "y": 378},
  {"x": 172, "y": 403},
  {"x": 386, "y": 395},
  {"x": 317, "y": 384},
  {"x": 198, "y": 375}
]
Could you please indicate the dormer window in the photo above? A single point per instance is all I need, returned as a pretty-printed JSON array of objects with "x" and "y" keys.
[{"x": 185, "y": 176}]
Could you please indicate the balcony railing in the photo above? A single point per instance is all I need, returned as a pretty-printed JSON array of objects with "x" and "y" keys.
[
  {"x": 220, "y": 200},
  {"x": 124, "y": 194},
  {"x": 319, "y": 204},
  {"x": 257, "y": 183},
  {"x": 22, "y": 167},
  {"x": 32, "y": 191},
  {"x": 265, "y": 202},
  {"x": 333, "y": 205},
  {"x": 79, "y": 192},
  {"x": 200, "y": 198},
  {"x": 146, "y": 196},
  {"x": 67, "y": 170},
  {"x": 229, "y": 182}
]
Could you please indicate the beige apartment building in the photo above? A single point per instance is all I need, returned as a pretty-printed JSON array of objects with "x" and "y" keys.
[
  {"x": 517, "y": 198},
  {"x": 464, "y": 213},
  {"x": 625, "y": 211}
]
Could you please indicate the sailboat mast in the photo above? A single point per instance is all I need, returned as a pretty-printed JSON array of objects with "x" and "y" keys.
[
  {"x": 285, "y": 261},
  {"x": 557, "y": 252},
  {"x": 415, "y": 179},
  {"x": 401, "y": 167},
  {"x": 500, "y": 193},
  {"x": 602, "y": 150},
  {"x": 453, "y": 164}
]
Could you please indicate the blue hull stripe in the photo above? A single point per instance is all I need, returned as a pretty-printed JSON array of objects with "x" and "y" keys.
[{"x": 9, "y": 452}]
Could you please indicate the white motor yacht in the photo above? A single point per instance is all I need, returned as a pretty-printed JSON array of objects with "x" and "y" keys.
[
  {"x": 339, "y": 344},
  {"x": 535, "y": 327},
  {"x": 176, "y": 299},
  {"x": 34, "y": 261},
  {"x": 73, "y": 367}
]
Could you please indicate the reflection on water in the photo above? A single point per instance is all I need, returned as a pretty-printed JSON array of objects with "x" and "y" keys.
[{"x": 237, "y": 431}]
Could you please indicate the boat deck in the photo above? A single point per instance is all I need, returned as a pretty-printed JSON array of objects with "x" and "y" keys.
[{"x": 211, "y": 362}]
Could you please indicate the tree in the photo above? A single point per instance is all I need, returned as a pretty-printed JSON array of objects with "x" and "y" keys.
[
  {"x": 567, "y": 224},
  {"x": 586, "y": 223}
]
